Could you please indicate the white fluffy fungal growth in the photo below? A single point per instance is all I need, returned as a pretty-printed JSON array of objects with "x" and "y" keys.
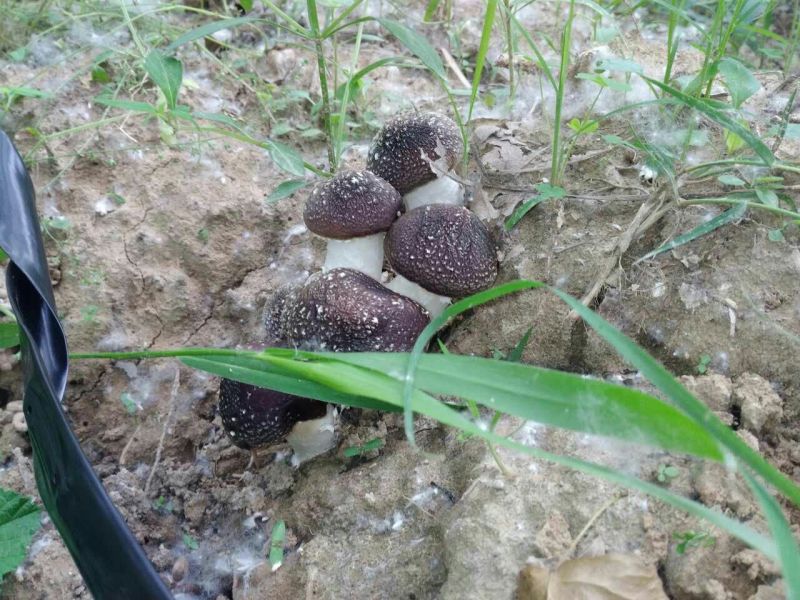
[
  {"x": 312, "y": 438},
  {"x": 433, "y": 303},
  {"x": 442, "y": 190},
  {"x": 363, "y": 254}
]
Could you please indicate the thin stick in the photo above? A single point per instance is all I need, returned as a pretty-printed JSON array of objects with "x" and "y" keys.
[
  {"x": 451, "y": 62},
  {"x": 173, "y": 393},
  {"x": 609, "y": 503}
]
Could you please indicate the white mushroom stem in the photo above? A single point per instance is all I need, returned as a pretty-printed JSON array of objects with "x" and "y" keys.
[
  {"x": 442, "y": 190},
  {"x": 312, "y": 438},
  {"x": 363, "y": 254},
  {"x": 434, "y": 303}
]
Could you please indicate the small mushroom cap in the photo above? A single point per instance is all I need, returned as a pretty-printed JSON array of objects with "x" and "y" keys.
[
  {"x": 351, "y": 204},
  {"x": 396, "y": 153},
  {"x": 347, "y": 311},
  {"x": 254, "y": 416},
  {"x": 445, "y": 249}
]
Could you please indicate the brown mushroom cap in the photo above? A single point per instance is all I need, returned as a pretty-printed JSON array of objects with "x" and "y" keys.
[
  {"x": 254, "y": 416},
  {"x": 347, "y": 311},
  {"x": 443, "y": 248},
  {"x": 396, "y": 153},
  {"x": 351, "y": 204}
]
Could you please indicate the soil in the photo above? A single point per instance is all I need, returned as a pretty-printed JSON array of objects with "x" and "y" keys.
[{"x": 175, "y": 245}]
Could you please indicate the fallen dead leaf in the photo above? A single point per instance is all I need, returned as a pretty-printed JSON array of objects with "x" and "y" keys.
[{"x": 607, "y": 577}]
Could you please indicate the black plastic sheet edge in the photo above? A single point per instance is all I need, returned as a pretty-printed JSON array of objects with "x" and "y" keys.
[{"x": 107, "y": 554}]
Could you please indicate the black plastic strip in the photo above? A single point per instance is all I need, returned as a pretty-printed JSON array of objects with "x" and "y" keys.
[{"x": 108, "y": 556}]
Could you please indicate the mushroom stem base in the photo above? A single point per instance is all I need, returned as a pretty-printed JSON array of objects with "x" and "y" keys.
[
  {"x": 312, "y": 438},
  {"x": 434, "y": 303},
  {"x": 442, "y": 190},
  {"x": 363, "y": 254}
]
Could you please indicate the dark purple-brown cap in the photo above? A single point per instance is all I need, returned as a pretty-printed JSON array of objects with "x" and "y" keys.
[
  {"x": 351, "y": 204},
  {"x": 396, "y": 153},
  {"x": 346, "y": 311},
  {"x": 445, "y": 249},
  {"x": 254, "y": 416}
]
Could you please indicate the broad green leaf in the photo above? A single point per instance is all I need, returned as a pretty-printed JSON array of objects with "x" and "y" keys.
[
  {"x": 732, "y": 180},
  {"x": 417, "y": 44},
  {"x": 167, "y": 73},
  {"x": 767, "y": 196},
  {"x": 730, "y": 215},
  {"x": 3, "y": 255},
  {"x": 738, "y": 79},
  {"x": 286, "y": 189},
  {"x": 9, "y": 334},
  {"x": 788, "y": 549},
  {"x": 486, "y": 34},
  {"x": 619, "y": 64},
  {"x": 721, "y": 118},
  {"x": 19, "y": 520},
  {"x": 209, "y": 28},
  {"x": 247, "y": 5},
  {"x": 142, "y": 107},
  {"x": 286, "y": 157}
]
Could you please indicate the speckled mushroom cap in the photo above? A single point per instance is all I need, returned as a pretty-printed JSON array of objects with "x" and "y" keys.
[
  {"x": 254, "y": 416},
  {"x": 346, "y": 311},
  {"x": 443, "y": 248},
  {"x": 351, "y": 204},
  {"x": 396, "y": 153}
]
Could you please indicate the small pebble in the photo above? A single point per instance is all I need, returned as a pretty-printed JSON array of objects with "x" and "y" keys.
[
  {"x": 19, "y": 422},
  {"x": 15, "y": 406},
  {"x": 180, "y": 568}
]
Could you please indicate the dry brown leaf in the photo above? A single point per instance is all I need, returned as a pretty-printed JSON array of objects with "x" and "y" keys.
[{"x": 607, "y": 577}]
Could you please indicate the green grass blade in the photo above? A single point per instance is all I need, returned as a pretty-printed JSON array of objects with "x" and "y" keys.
[
  {"x": 251, "y": 368},
  {"x": 435, "y": 325},
  {"x": 276, "y": 541},
  {"x": 680, "y": 396},
  {"x": 788, "y": 549},
  {"x": 206, "y": 30},
  {"x": 553, "y": 398},
  {"x": 730, "y": 215},
  {"x": 516, "y": 354},
  {"x": 417, "y": 44},
  {"x": 334, "y": 375},
  {"x": 486, "y": 34},
  {"x": 349, "y": 379},
  {"x": 716, "y": 115}
]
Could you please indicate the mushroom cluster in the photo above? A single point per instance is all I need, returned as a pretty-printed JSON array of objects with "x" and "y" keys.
[{"x": 437, "y": 250}]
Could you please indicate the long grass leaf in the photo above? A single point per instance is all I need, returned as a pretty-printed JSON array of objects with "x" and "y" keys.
[
  {"x": 552, "y": 398},
  {"x": 730, "y": 215},
  {"x": 788, "y": 549},
  {"x": 486, "y": 34},
  {"x": 417, "y": 44},
  {"x": 206, "y": 30},
  {"x": 680, "y": 396},
  {"x": 716, "y": 115}
]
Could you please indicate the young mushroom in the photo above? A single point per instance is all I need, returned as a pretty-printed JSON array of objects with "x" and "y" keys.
[
  {"x": 255, "y": 417},
  {"x": 440, "y": 252},
  {"x": 353, "y": 210},
  {"x": 416, "y": 153},
  {"x": 345, "y": 310}
]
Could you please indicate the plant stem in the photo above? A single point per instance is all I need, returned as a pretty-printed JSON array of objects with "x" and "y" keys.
[
  {"x": 313, "y": 19},
  {"x": 733, "y": 201},
  {"x": 566, "y": 39}
]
